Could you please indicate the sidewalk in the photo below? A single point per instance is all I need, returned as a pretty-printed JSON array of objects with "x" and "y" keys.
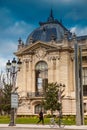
[{"x": 72, "y": 127}]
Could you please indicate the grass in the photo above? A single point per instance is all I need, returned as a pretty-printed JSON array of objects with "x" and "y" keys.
[
  {"x": 67, "y": 120},
  {"x": 4, "y": 119},
  {"x": 30, "y": 120},
  {"x": 22, "y": 120}
]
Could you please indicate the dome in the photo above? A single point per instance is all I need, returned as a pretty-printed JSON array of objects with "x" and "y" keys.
[{"x": 50, "y": 30}]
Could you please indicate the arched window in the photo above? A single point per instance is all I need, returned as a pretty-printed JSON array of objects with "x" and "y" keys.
[
  {"x": 41, "y": 72},
  {"x": 38, "y": 108}
]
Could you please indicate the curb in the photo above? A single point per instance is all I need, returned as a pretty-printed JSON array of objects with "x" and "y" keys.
[{"x": 43, "y": 126}]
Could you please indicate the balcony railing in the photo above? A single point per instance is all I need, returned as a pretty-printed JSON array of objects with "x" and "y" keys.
[{"x": 35, "y": 94}]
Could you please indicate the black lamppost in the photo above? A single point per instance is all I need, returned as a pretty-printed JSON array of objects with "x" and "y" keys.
[
  {"x": 61, "y": 88},
  {"x": 12, "y": 69}
]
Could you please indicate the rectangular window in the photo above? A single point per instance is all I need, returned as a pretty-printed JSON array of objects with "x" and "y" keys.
[{"x": 84, "y": 78}]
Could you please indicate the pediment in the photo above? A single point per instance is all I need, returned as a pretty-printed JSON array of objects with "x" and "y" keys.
[{"x": 39, "y": 47}]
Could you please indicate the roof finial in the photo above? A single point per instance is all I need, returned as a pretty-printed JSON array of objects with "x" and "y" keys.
[
  {"x": 51, "y": 13},
  {"x": 51, "y": 18}
]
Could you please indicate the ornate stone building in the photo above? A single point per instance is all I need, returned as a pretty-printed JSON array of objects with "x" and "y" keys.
[{"x": 48, "y": 56}]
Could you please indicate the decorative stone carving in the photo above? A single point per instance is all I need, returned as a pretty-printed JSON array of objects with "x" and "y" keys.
[
  {"x": 27, "y": 58},
  {"x": 40, "y": 53},
  {"x": 54, "y": 55}
]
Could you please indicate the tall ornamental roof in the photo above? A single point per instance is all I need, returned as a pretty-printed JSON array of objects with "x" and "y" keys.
[{"x": 51, "y": 29}]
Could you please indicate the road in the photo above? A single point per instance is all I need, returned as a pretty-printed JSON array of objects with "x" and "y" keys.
[
  {"x": 15, "y": 128},
  {"x": 12, "y": 128},
  {"x": 38, "y": 127}
]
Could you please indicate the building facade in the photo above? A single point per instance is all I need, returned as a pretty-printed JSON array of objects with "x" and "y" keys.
[{"x": 48, "y": 56}]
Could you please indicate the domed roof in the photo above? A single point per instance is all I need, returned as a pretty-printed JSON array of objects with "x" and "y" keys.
[{"x": 52, "y": 29}]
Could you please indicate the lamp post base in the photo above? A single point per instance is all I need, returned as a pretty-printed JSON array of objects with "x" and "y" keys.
[
  {"x": 11, "y": 124},
  {"x": 12, "y": 119}
]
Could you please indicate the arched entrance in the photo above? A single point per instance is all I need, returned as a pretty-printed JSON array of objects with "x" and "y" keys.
[
  {"x": 41, "y": 72},
  {"x": 38, "y": 108}
]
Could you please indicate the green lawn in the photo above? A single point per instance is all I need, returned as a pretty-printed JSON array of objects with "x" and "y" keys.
[
  {"x": 68, "y": 120},
  {"x": 4, "y": 119},
  {"x": 22, "y": 120},
  {"x": 30, "y": 120}
]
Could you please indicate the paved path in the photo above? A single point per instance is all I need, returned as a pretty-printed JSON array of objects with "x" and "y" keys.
[{"x": 72, "y": 127}]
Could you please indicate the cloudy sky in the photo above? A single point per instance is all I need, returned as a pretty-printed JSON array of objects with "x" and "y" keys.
[{"x": 20, "y": 17}]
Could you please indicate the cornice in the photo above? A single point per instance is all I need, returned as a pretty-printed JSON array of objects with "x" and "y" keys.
[{"x": 32, "y": 47}]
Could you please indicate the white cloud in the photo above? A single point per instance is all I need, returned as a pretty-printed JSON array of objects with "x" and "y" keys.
[
  {"x": 79, "y": 30},
  {"x": 16, "y": 30},
  {"x": 2, "y": 63},
  {"x": 6, "y": 53},
  {"x": 11, "y": 28},
  {"x": 19, "y": 28},
  {"x": 7, "y": 47},
  {"x": 10, "y": 31},
  {"x": 10, "y": 35}
]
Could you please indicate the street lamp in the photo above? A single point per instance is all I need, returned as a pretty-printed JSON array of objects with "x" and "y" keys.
[
  {"x": 61, "y": 88},
  {"x": 12, "y": 69}
]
